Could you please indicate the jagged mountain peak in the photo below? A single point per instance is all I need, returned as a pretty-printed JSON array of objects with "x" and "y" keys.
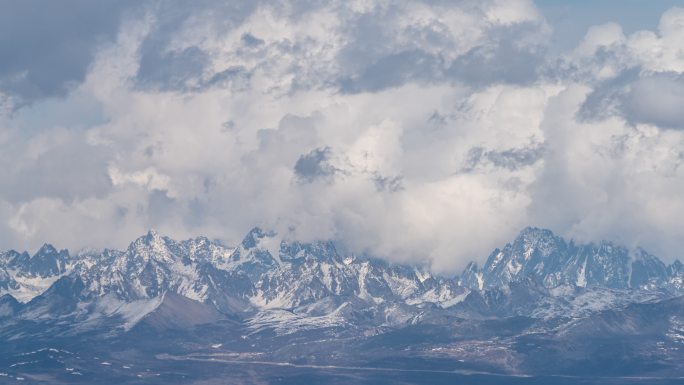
[
  {"x": 540, "y": 239},
  {"x": 295, "y": 251},
  {"x": 254, "y": 236},
  {"x": 153, "y": 245},
  {"x": 152, "y": 237},
  {"x": 677, "y": 265},
  {"x": 8, "y": 306},
  {"x": 540, "y": 255},
  {"x": 152, "y": 233},
  {"x": 532, "y": 232},
  {"x": 46, "y": 249},
  {"x": 639, "y": 254},
  {"x": 46, "y": 262},
  {"x": 198, "y": 241}
]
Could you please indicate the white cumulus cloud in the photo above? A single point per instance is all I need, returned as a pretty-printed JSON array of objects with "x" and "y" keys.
[{"x": 427, "y": 131}]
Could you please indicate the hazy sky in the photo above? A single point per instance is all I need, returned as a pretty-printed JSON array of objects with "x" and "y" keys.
[{"x": 413, "y": 130}]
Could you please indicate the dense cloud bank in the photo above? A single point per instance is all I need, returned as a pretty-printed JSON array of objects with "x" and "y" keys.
[{"x": 430, "y": 131}]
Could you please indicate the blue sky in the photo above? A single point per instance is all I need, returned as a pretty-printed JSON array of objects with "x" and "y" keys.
[{"x": 413, "y": 130}]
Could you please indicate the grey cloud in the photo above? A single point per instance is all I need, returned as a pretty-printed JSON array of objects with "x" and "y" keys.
[
  {"x": 570, "y": 68},
  {"x": 233, "y": 78},
  {"x": 164, "y": 68},
  {"x": 48, "y": 46},
  {"x": 390, "y": 184},
  {"x": 68, "y": 168},
  {"x": 394, "y": 70},
  {"x": 282, "y": 145},
  {"x": 374, "y": 55},
  {"x": 186, "y": 70},
  {"x": 197, "y": 213},
  {"x": 504, "y": 62},
  {"x": 656, "y": 99},
  {"x": 170, "y": 70},
  {"x": 649, "y": 98},
  {"x": 251, "y": 40},
  {"x": 314, "y": 166},
  {"x": 161, "y": 208},
  {"x": 375, "y": 59},
  {"x": 511, "y": 159},
  {"x": 604, "y": 100},
  {"x": 292, "y": 130}
]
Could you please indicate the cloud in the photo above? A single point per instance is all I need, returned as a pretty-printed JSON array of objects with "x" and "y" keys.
[
  {"x": 424, "y": 131},
  {"x": 656, "y": 100},
  {"x": 637, "y": 77},
  {"x": 511, "y": 159},
  {"x": 149, "y": 179},
  {"x": 47, "y": 46},
  {"x": 56, "y": 163},
  {"x": 314, "y": 165},
  {"x": 608, "y": 179}
]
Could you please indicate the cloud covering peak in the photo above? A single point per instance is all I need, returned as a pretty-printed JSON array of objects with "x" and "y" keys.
[{"x": 413, "y": 130}]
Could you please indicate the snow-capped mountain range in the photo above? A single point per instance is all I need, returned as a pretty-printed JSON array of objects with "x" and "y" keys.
[
  {"x": 545, "y": 258},
  {"x": 236, "y": 280},
  {"x": 249, "y": 277},
  {"x": 539, "y": 285}
]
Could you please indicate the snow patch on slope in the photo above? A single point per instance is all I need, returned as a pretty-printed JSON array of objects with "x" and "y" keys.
[{"x": 30, "y": 287}]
